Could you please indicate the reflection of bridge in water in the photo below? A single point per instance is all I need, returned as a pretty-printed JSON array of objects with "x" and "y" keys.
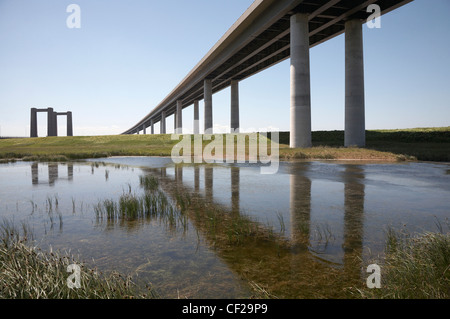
[
  {"x": 289, "y": 265},
  {"x": 53, "y": 173}
]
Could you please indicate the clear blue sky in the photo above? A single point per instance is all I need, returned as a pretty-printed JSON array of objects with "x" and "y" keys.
[{"x": 128, "y": 55}]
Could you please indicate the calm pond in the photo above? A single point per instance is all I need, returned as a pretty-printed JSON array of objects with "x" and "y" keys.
[{"x": 310, "y": 230}]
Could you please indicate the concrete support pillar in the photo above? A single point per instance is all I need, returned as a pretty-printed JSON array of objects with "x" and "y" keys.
[
  {"x": 33, "y": 123},
  {"x": 50, "y": 122},
  {"x": 152, "y": 125},
  {"x": 196, "y": 118},
  {"x": 144, "y": 129},
  {"x": 300, "y": 135},
  {"x": 234, "y": 107},
  {"x": 355, "y": 127},
  {"x": 175, "y": 122},
  {"x": 179, "y": 117},
  {"x": 208, "y": 107},
  {"x": 69, "y": 124},
  {"x": 163, "y": 122},
  {"x": 55, "y": 124}
]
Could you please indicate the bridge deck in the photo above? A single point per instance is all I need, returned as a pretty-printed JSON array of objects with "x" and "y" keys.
[{"x": 259, "y": 39}]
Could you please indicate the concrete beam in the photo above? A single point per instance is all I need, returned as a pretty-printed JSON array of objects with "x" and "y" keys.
[
  {"x": 355, "y": 127},
  {"x": 300, "y": 135},
  {"x": 234, "y": 106}
]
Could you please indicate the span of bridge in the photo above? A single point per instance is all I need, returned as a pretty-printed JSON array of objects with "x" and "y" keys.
[{"x": 268, "y": 32}]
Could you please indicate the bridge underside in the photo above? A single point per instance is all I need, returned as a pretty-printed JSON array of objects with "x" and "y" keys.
[{"x": 260, "y": 39}]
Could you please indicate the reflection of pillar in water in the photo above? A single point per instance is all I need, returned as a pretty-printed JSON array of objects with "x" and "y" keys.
[
  {"x": 300, "y": 203},
  {"x": 209, "y": 183},
  {"x": 354, "y": 209},
  {"x": 52, "y": 173},
  {"x": 163, "y": 172},
  {"x": 70, "y": 171},
  {"x": 35, "y": 174},
  {"x": 235, "y": 176},
  {"x": 179, "y": 174},
  {"x": 353, "y": 223},
  {"x": 196, "y": 178}
]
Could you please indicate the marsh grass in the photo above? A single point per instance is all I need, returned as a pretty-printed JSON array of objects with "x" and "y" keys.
[
  {"x": 152, "y": 204},
  {"x": 415, "y": 267},
  {"x": 28, "y": 272}
]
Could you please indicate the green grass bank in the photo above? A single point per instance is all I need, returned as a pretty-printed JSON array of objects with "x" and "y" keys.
[{"x": 425, "y": 144}]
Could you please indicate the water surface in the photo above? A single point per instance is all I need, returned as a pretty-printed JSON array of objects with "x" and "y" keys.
[{"x": 318, "y": 224}]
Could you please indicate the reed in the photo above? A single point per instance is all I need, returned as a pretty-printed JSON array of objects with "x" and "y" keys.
[
  {"x": 415, "y": 267},
  {"x": 153, "y": 204},
  {"x": 28, "y": 272}
]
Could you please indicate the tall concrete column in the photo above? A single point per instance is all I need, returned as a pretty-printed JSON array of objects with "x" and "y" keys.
[
  {"x": 175, "y": 122},
  {"x": 55, "y": 124},
  {"x": 234, "y": 106},
  {"x": 69, "y": 124},
  {"x": 50, "y": 122},
  {"x": 33, "y": 123},
  {"x": 163, "y": 122},
  {"x": 355, "y": 127},
  {"x": 179, "y": 127},
  {"x": 196, "y": 118},
  {"x": 208, "y": 107},
  {"x": 300, "y": 135},
  {"x": 152, "y": 125},
  {"x": 144, "y": 129}
]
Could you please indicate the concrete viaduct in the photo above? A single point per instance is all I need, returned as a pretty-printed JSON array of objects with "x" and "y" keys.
[{"x": 268, "y": 32}]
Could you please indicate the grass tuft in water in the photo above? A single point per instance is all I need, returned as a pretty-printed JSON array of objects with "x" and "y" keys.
[
  {"x": 153, "y": 204},
  {"x": 415, "y": 267},
  {"x": 27, "y": 272}
]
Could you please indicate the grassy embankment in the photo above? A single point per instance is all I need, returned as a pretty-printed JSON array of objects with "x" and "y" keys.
[{"x": 431, "y": 144}]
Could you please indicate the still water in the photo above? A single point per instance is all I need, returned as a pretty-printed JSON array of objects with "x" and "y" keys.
[{"x": 316, "y": 226}]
